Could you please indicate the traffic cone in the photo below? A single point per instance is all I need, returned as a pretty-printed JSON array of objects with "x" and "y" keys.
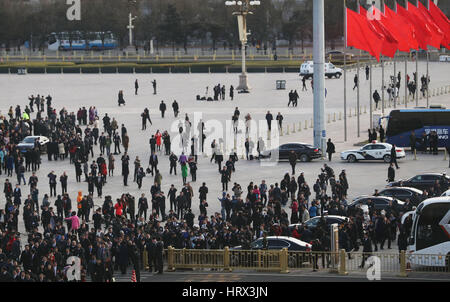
[{"x": 133, "y": 276}]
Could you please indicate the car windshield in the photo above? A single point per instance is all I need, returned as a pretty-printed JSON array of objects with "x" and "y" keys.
[
  {"x": 29, "y": 140},
  {"x": 256, "y": 244}
]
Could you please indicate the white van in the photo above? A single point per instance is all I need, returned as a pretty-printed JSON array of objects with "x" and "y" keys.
[{"x": 307, "y": 70}]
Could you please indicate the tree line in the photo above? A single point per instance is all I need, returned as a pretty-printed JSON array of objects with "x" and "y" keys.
[{"x": 173, "y": 23}]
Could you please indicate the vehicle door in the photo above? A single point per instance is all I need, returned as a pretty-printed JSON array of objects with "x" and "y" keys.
[
  {"x": 277, "y": 244},
  {"x": 368, "y": 152},
  {"x": 379, "y": 150},
  {"x": 283, "y": 152},
  {"x": 402, "y": 194},
  {"x": 380, "y": 204},
  {"x": 417, "y": 182}
]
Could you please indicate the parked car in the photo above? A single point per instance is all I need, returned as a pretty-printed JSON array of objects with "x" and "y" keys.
[
  {"x": 278, "y": 243},
  {"x": 313, "y": 222},
  {"x": 372, "y": 151},
  {"x": 305, "y": 152},
  {"x": 307, "y": 70},
  {"x": 250, "y": 258},
  {"x": 379, "y": 202},
  {"x": 401, "y": 193},
  {"x": 338, "y": 54},
  {"x": 28, "y": 143},
  {"x": 422, "y": 181}
]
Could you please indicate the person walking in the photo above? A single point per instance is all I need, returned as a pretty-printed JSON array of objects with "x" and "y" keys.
[
  {"x": 63, "y": 181},
  {"x": 355, "y": 80},
  {"x": 52, "y": 183},
  {"x": 330, "y": 149},
  {"x": 293, "y": 161},
  {"x": 184, "y": 172},
  {"x": 391, "y": 173},
  {"x": 136, "y": 87},
  {"x": 367, "y": 249},
  {"x": 269, "y": 118},
  {"x": 125, "y": 168},
  {"x": 367, "y": 72},
  {"x": 394, "y": 156},
  {"x": 162, "y": 108},
  {"x": 376, "y": 98},
  {"x": 175, "y": 108},
  {"x": 382, "y": 133},
  {"x": 412, "y": 141},
  {"x": 231, "y": 92},
  {"x": 154, "y": 86},
  {"x": 304, "y": 84},
  {"x": 224, "y": 179}
]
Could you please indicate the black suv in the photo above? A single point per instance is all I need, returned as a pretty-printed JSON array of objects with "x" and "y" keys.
[{"x": 422, "y": 181}]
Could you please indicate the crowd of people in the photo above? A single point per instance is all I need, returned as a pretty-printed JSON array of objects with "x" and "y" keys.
[{"x": 112, "y": 238}]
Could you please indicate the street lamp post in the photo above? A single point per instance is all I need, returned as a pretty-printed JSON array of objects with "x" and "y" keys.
[
  {"x": 130, "y": 28},
  {"x": 244, "y": 10}
]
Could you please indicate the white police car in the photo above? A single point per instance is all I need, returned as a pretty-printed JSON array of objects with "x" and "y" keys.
[{"x": 372, "y": 151}]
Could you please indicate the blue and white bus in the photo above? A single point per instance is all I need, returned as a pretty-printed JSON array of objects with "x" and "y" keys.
[
  {"x": 429, "y": 241},
  {"x": 61, "y": 41},
  {"x": 402, "y": 122}
]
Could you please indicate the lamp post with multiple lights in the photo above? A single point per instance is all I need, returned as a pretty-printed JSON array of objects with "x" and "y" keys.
[{"x": 244, "y": 10}]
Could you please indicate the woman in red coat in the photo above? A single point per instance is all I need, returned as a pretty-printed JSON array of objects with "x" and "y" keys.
[
  {"x": 104, "y": 171},
  {"x": 158, "y": 137},
  {"x": 294, "y": 215}
]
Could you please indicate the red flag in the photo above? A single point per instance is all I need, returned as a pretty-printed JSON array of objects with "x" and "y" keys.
[
  {"x": 390, "y": 44},
  {"x": 400, "y": 28},
  {"x": 436, "y": 34},
  {"x": 441, "y": 21},
  {"x": 360, "y": 36},
  {"x": 422, "y": 34}
]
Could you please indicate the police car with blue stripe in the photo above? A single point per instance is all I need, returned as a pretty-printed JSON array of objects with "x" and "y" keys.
[{"x": 372, "y": 151}]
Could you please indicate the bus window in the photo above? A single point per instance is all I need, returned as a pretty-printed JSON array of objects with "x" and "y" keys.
[{"x": 429, "y": 232}]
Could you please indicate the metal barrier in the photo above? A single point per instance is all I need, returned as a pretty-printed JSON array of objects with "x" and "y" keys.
[{"x": 282, "y": 260}]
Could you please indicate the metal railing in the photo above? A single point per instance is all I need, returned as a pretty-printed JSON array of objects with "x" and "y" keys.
[{"x": 282, "y": 260}]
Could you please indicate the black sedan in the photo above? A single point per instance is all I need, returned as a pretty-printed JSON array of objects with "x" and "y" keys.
[
  {"x": 422, "y": 181},
  {"x": 379, "y": 202},
  {"x": 314, "y": 222},
  {"x": 403, "y": 193},
  {"x": 304, "y": 152}
]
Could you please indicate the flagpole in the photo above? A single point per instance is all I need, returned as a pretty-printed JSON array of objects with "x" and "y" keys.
[
  {"x": 345, "y": 72},
  {"x": 370, "y": 88},
  {"x": 416, "y": 78},
  {"x": 428, "y": 60},
  {"x": 395, "y": 70},
  {"x": 382, "y": 70},
  {"x": 357, "y": 87},
  {"x": 406, "y": 81}
]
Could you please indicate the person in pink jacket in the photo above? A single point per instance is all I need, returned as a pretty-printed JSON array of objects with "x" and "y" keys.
[{"x": 75, "y": 221}]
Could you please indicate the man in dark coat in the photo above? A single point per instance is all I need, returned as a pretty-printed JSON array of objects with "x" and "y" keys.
[
  {"x": 125, "y": 168},
  {"x": 394, "y": 156},
  {"x": 391, "y": 173},
  {"x": 293, "y": 161},
  {"x": 367, "y": 248},
  {"x": 162, "y": 108},
  {"x": 330, "y": 149}
]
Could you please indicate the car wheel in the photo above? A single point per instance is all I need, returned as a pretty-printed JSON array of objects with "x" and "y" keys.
[
  {"x": 304, "y": 158},
  {"x": 329, "y": 76},
  {"x": 337, "y": 75},
  {"x": 292, "y": 262},
  {"x": 351, "y": 158},
  {"x": 387, "y": 158}
]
